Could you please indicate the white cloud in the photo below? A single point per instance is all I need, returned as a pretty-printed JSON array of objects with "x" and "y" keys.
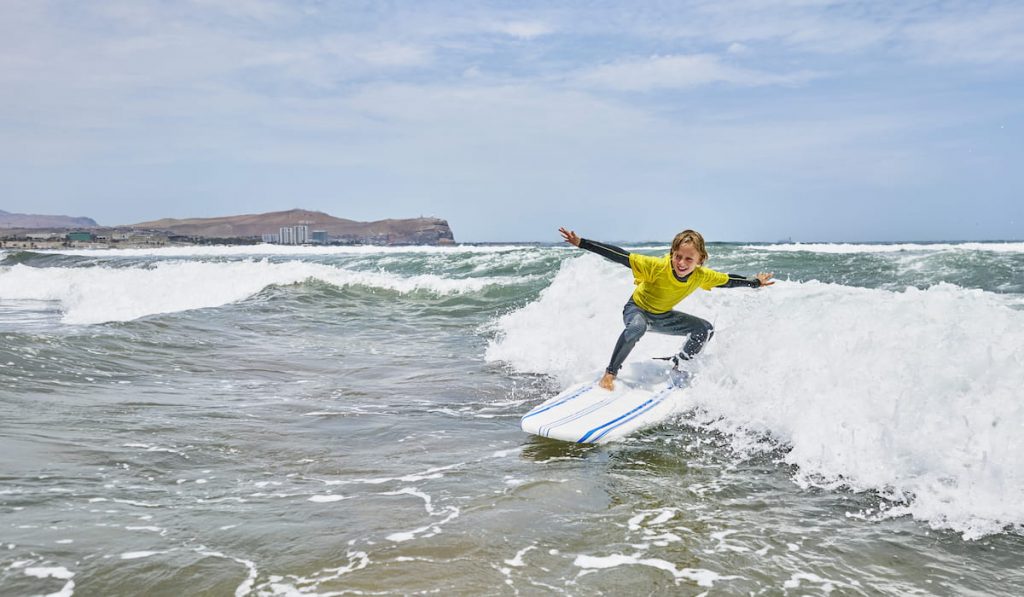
[
  {"x": 811, "y": 27},
  {"x": 524, "y": 29},
  {"x": 994, "y": 37},
  {"x": 393, "y": 55},
  {"x": 261, "y": 10},
  {"x": 954, "y": 32},
  {"x": 680, "y": 72}
]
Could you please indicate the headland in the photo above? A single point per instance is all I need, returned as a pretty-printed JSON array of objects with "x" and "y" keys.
[{"x": 292, "y": 227}]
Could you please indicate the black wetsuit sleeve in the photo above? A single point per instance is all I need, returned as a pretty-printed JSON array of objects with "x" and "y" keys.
[
  {"x": 616, "y": 254},
  {"x": 741, "y": 282}
]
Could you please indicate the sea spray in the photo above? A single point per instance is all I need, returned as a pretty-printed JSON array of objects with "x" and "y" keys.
[
  {"x": 103, "y": 294},
  {"x": 206, "y": 251},
  {"x": 841, "y": 248},
  {"x": 914, "y": 394}
]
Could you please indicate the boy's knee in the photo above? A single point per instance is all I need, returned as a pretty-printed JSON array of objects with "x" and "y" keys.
[
  {"x": 709, "y": 330},
  {"x": 702, "y": 330},
  {"x": 635, "y": 328}
]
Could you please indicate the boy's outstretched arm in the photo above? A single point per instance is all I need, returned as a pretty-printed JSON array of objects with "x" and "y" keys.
[
  {"x": 761, "y": 279},
  {"x": 616, "y": 254}
]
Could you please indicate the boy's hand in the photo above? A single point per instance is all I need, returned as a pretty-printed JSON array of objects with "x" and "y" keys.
[
  {"x": 570, "y": 236},
  {"x": 766, "y": 278}
]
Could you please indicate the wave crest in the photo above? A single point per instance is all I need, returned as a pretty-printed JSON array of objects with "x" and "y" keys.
[
  {"x": 93, "y": 295},
  {"x": 913, "y": 394}
]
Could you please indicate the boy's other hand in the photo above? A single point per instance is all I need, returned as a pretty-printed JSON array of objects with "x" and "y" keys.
[
  {"x": 570, "y": 236},
  {"x": 766, "y": 278}
]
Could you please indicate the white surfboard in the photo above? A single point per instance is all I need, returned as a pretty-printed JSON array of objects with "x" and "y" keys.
[{"x": 588, "y": 414}]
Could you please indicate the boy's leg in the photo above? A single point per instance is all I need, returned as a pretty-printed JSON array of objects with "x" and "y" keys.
[
  {"x": 681, "y": 324},
  {"x": 636, "y": 327}
]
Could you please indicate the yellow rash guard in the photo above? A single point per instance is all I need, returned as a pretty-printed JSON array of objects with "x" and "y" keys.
[{"x": 658, "y": 289}]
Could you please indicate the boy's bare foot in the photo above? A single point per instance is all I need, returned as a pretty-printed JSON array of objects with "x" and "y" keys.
[{"x": 607, "y": 382}]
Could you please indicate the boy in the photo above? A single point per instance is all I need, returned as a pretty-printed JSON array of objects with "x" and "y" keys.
[{"x": 662, "y": 282}]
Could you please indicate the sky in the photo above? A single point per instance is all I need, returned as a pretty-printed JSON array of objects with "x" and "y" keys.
[{"x": 746, "y": 120}]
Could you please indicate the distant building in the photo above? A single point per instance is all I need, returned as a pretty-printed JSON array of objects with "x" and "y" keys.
[
  {"x": 294, "y": 235},
  {"x": 271, "y": 238},
  {"x": 320, "y": 237},
  {"x": 286, "y": 237},
  {"x": 80, "y": 236}
]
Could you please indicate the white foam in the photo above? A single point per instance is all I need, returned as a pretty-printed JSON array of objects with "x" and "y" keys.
[
  {"x": 704, "y": 578},
  {"x": 326, "y": 499},
  {"x": 428, "y": 530},
  {"x": 298, "y": 585},
  {"x": 518, "y": 560},
  {"x": 58, "y": 572},
  {"x": 146, "y": 528},
  {"x": 138, "y": 555},
  {"x": 427, "y": 501},
  {"x": 252, "y": 572},
  {"x": 826, "y": 585},
  {"x": 506, "y": 453},
  {"x": 569, "y": 331},
  {"x": 266, "y": 249},
  {"x": 432, "y": 473},
  {"x": 914, "y": 394},
  {"x": 840, "y": 248},
  {"x": 103, "y": 294},
  {"x": 150, "y": 448}
]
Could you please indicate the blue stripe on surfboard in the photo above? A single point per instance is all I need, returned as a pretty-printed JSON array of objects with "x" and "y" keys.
[
  {"x": 586, "y": 435},
  {"x": 625, "y": 418},
  {"x": 545, "y": 430},
  {"x": 598, "y": 437},
  {"x": 575, "y": 394},
  {"x": 658, "y": 399}
]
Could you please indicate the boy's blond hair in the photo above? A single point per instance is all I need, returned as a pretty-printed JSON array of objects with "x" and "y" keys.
[{"x": 692, "y": 238}]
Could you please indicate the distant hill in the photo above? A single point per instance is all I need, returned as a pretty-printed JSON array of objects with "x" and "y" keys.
[
  {"x": 29, "y": 221},
  {"x": 429, "y": 231}
]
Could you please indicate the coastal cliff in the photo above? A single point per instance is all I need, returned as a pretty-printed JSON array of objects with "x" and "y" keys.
[
  {"x": 30, "y": 221},
  {"x": 414, "y": 231}
]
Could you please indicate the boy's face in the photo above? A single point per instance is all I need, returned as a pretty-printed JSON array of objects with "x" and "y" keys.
[{"x": 685, "y": 259}]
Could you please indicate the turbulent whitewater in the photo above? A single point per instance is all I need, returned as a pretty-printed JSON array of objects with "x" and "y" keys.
[{"x": 294, "y": 420}]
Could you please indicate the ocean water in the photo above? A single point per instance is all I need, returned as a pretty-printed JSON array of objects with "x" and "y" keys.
[{"x": 345, "y": 421}]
